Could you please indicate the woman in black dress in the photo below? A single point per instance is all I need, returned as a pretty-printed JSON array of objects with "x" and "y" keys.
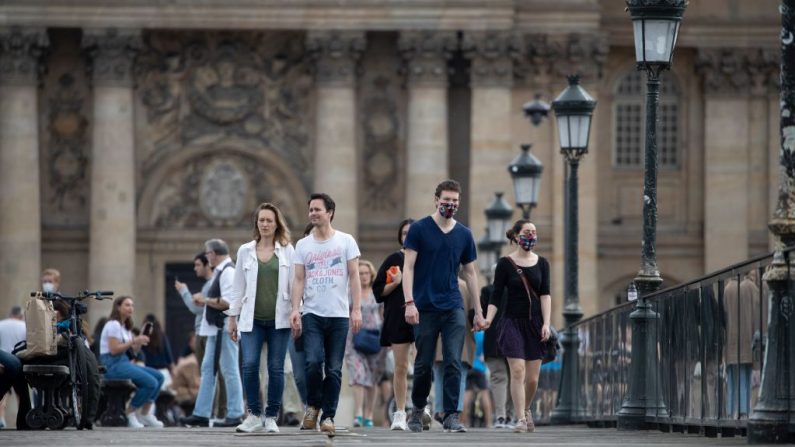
[
  {"x": 525, "y": 321},
  {"x": 396, "y": 332}
]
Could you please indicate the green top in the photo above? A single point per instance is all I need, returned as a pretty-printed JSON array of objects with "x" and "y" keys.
[{"x": 267, "y": 288}]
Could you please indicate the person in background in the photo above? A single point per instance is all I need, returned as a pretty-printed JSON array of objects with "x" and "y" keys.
[
  {"x": 365, "y": 369},
  {"x": 115, "y": 341},
  {"x": 11, "y": 376},
  {"x": 12, "y": 331},
  {"x": 477, "y": 386},
  {"x": 186, "y": 378},
  {"x": 157, "y": 353},
  {"x": 496, "y": 364}
]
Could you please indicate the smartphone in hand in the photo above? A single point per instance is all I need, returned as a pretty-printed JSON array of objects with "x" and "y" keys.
[{"x": 147, "y": 329}]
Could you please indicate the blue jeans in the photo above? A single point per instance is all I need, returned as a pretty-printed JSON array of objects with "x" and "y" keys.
[
  {"x": 438, "y": 379},
  {"x": 324, "y": 341},
  {"x": 251, "y": 349},
  {"x": 231, "y": 372},
  {"x": 741, "y": 372},
  {"x": 147, "y": 380},
  {"x": 299, "y": 369},
  {"x": 451, "y": 324}
]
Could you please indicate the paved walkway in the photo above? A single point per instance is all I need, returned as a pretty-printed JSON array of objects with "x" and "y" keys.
[{"x": 215, "y": 437}]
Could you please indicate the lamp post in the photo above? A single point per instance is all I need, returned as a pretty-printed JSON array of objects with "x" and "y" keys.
[
  {"x": 526, "y": 172},
  {"x": 487, "y": 255},
  {"x": 656, "y": 26},
  {"x": 573, "y": 110},
  {"x": 498, "y": 217}
]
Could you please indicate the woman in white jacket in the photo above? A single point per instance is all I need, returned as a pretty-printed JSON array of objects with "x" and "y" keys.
[{"x": 260, "y": 310}]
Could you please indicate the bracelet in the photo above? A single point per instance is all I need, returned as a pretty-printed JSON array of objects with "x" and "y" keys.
[{"x": 408, "y": 303}]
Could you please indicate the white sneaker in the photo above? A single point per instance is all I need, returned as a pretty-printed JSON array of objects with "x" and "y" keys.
[
  {"x": 270, "y": 425},
  {"x": 399, "y": 421},
  {"x": 251, "y": 424},
  {"x": 149, "y": 420},
  {"x": 132, "y": 421}
]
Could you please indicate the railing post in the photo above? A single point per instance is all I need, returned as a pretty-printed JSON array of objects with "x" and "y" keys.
[{"x": 770, "y": 420}]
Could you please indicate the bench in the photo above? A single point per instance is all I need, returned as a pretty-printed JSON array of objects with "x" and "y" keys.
[
  {"x": 48, "y": 380},
  {"x": 115, "y": 393}
]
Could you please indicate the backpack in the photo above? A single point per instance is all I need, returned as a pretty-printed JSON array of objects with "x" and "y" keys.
[{"x": 40, "y": 330}]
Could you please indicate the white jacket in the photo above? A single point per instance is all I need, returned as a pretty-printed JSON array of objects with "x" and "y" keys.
[{"x": 244, "y": 294}]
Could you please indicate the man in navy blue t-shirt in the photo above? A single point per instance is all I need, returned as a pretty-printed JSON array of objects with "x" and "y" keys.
[{"x": 435, "y": 248}]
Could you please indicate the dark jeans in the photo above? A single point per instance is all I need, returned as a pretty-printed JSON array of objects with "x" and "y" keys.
[
  {"x": 451, "y": 324},
  {"x": 324, "y": 341},
  {"x": 12, "y": 377},
  {"x": 251, "y": 349}
]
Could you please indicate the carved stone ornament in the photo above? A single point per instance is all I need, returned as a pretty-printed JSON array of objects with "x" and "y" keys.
[
  {"x": 382, "y": 145},
  {"x": 20, "y": 52},
  {"x": 218, "y": 190},
  {"x": 66, "y": 158},
  {"x": 492, "y": 54},
  {"x": 548, "y": 58},
  {"x": 335, "y": 54},
  {"x": 735, "y": 71},
  {"x": 202, "y": 89},
  {"x": 426, "y": 54},
  {"x": 111, "y": 54}
]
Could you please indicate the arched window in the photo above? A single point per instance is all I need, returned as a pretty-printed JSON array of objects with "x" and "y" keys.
[{"x": 630, "y": 121}]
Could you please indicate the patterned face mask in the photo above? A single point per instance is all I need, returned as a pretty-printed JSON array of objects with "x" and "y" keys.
[
  {"x": 448, "y": 210},
  {"x": 527, "y": 242}
]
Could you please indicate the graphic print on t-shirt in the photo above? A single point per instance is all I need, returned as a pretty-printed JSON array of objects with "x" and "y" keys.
[{"x": 324, "y": 270}]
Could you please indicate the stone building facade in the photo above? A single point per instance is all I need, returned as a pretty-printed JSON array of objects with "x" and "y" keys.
[{"x": 133, "y": 130}]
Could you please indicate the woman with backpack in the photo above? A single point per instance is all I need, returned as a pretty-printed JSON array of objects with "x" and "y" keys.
[
  {"x": 117, "y": 344},
  {"x": 525, "y": 319},
  {"x": 260, "y": 310}
]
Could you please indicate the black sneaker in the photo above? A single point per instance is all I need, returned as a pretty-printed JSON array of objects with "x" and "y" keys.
[
  {"x": 452, "y": 424},
  {"x": 194, "y": 421},
  {"x": 415, "y": 420},
  {"x": 228, "y": 422}
]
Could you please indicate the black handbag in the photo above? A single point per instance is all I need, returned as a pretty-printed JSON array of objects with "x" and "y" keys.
[
  {"x": 367, "y": 341},
  {"x": 552, "y": 345}
]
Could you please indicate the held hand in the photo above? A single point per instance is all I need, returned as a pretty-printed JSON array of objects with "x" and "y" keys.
[
  {"x": 397, "y": 276},
  {"x": 295, "y": 323},
  {"x": 356, "y": 320},
  {"x": 545, "y": 332},
  {"x": 478, "y": 323},
  {"x": 412, "y": 315},
  {"x": 485, "y": 324},
  {"x": 232, "y": 328},
  {"x": 141, "y": 340},
  {"x": 180, "y": 286}
]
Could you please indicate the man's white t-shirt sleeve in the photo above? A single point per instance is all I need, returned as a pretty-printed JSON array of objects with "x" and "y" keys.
[
  {"x": 298, "y": 253},
  {"x": 353, "y": 248}
]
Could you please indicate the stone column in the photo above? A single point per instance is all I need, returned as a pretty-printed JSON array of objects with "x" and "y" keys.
[
  {"x": 112, "y": 237},
  {"x": 426, "y": 54},
  {"x": 336, "y": 157},
  {"x": 492, "y": 150},
  {"x": 728, "y": 152},
  {"x": 20, "y": 215}
]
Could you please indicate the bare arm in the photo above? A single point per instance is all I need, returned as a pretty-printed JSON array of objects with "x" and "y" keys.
[
  {"x": 355, "y": 288},
  {"x": 408, "y": 274},
  {"x": 471, "y": 280},
  {"x": 296, "y": 293},
  {"x": 546, "y": 308},
  {"x": 117, "y": 347}
]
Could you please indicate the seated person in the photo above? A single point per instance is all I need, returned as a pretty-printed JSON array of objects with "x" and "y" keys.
[
  {"x": 11, "y": 377},
  {"x": 187, "y": 378}
]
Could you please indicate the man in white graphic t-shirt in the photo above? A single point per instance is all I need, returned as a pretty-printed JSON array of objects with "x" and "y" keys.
[{"x": 326, "y": 274}]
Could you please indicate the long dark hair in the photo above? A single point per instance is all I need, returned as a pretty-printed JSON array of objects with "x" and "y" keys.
[
  {"x": 403, "y": 223},
  {"x": 156, "y": 337},
  {"x": 116, "y": 315}
]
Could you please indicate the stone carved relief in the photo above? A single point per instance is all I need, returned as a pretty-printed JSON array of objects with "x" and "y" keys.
[
  {"x": 733, "y": 71},
  {"x": 549, "y": 58},
  {"x": 67, "y": 161},
  {"x": 493, "y": 54},
  {"x": 382, "y": 131},
  {"x": 215, "y": 190},
  {"x": 426, "y": 54},
  {"x": 335, "y": 54},
  {"x": 202, "y": 89},
  {"x": 111, "y": 54},
  {"x": 20, "y": 52}
]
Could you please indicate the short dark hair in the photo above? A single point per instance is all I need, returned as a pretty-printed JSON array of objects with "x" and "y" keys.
[
  {"x": 202, "y": 258},
  {"x": 515, "y": 229},
  {"x": 16, "y": 311},
  {"x": 447, "y": 185},
  {"x": 403, "y": 223},
  {"x": 328, "y": 202}
]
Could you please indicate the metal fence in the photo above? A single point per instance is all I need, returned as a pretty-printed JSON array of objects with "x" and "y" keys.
[{"x": 710, "y": 336}]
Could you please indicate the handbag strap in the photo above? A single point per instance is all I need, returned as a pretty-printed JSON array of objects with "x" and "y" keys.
[{"x": 526, "y": 283}]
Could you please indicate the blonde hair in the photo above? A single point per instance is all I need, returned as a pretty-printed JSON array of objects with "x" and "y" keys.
[{"x": 370, "y": 267}]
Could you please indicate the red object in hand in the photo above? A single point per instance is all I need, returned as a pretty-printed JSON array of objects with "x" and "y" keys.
[{"x": 391, "y": 272}]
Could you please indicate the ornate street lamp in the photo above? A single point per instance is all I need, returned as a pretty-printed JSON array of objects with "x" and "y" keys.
[
  {"x": 526, "y": 172},
  {"x": 487, "y": 255},
  {"x": 498, "y": 217},
  {"x": 536, "y": 110},
  {"x": 573, "y": 110},
  {"x": 656, "y": 25}
]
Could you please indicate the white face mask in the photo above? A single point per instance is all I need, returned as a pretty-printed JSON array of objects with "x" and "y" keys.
[{"x": 47, "y": 287}]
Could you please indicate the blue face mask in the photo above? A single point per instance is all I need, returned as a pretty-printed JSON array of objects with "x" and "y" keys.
[
  {"x": 527, "y": 242},
  {"x": 448, "y": 210}
]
